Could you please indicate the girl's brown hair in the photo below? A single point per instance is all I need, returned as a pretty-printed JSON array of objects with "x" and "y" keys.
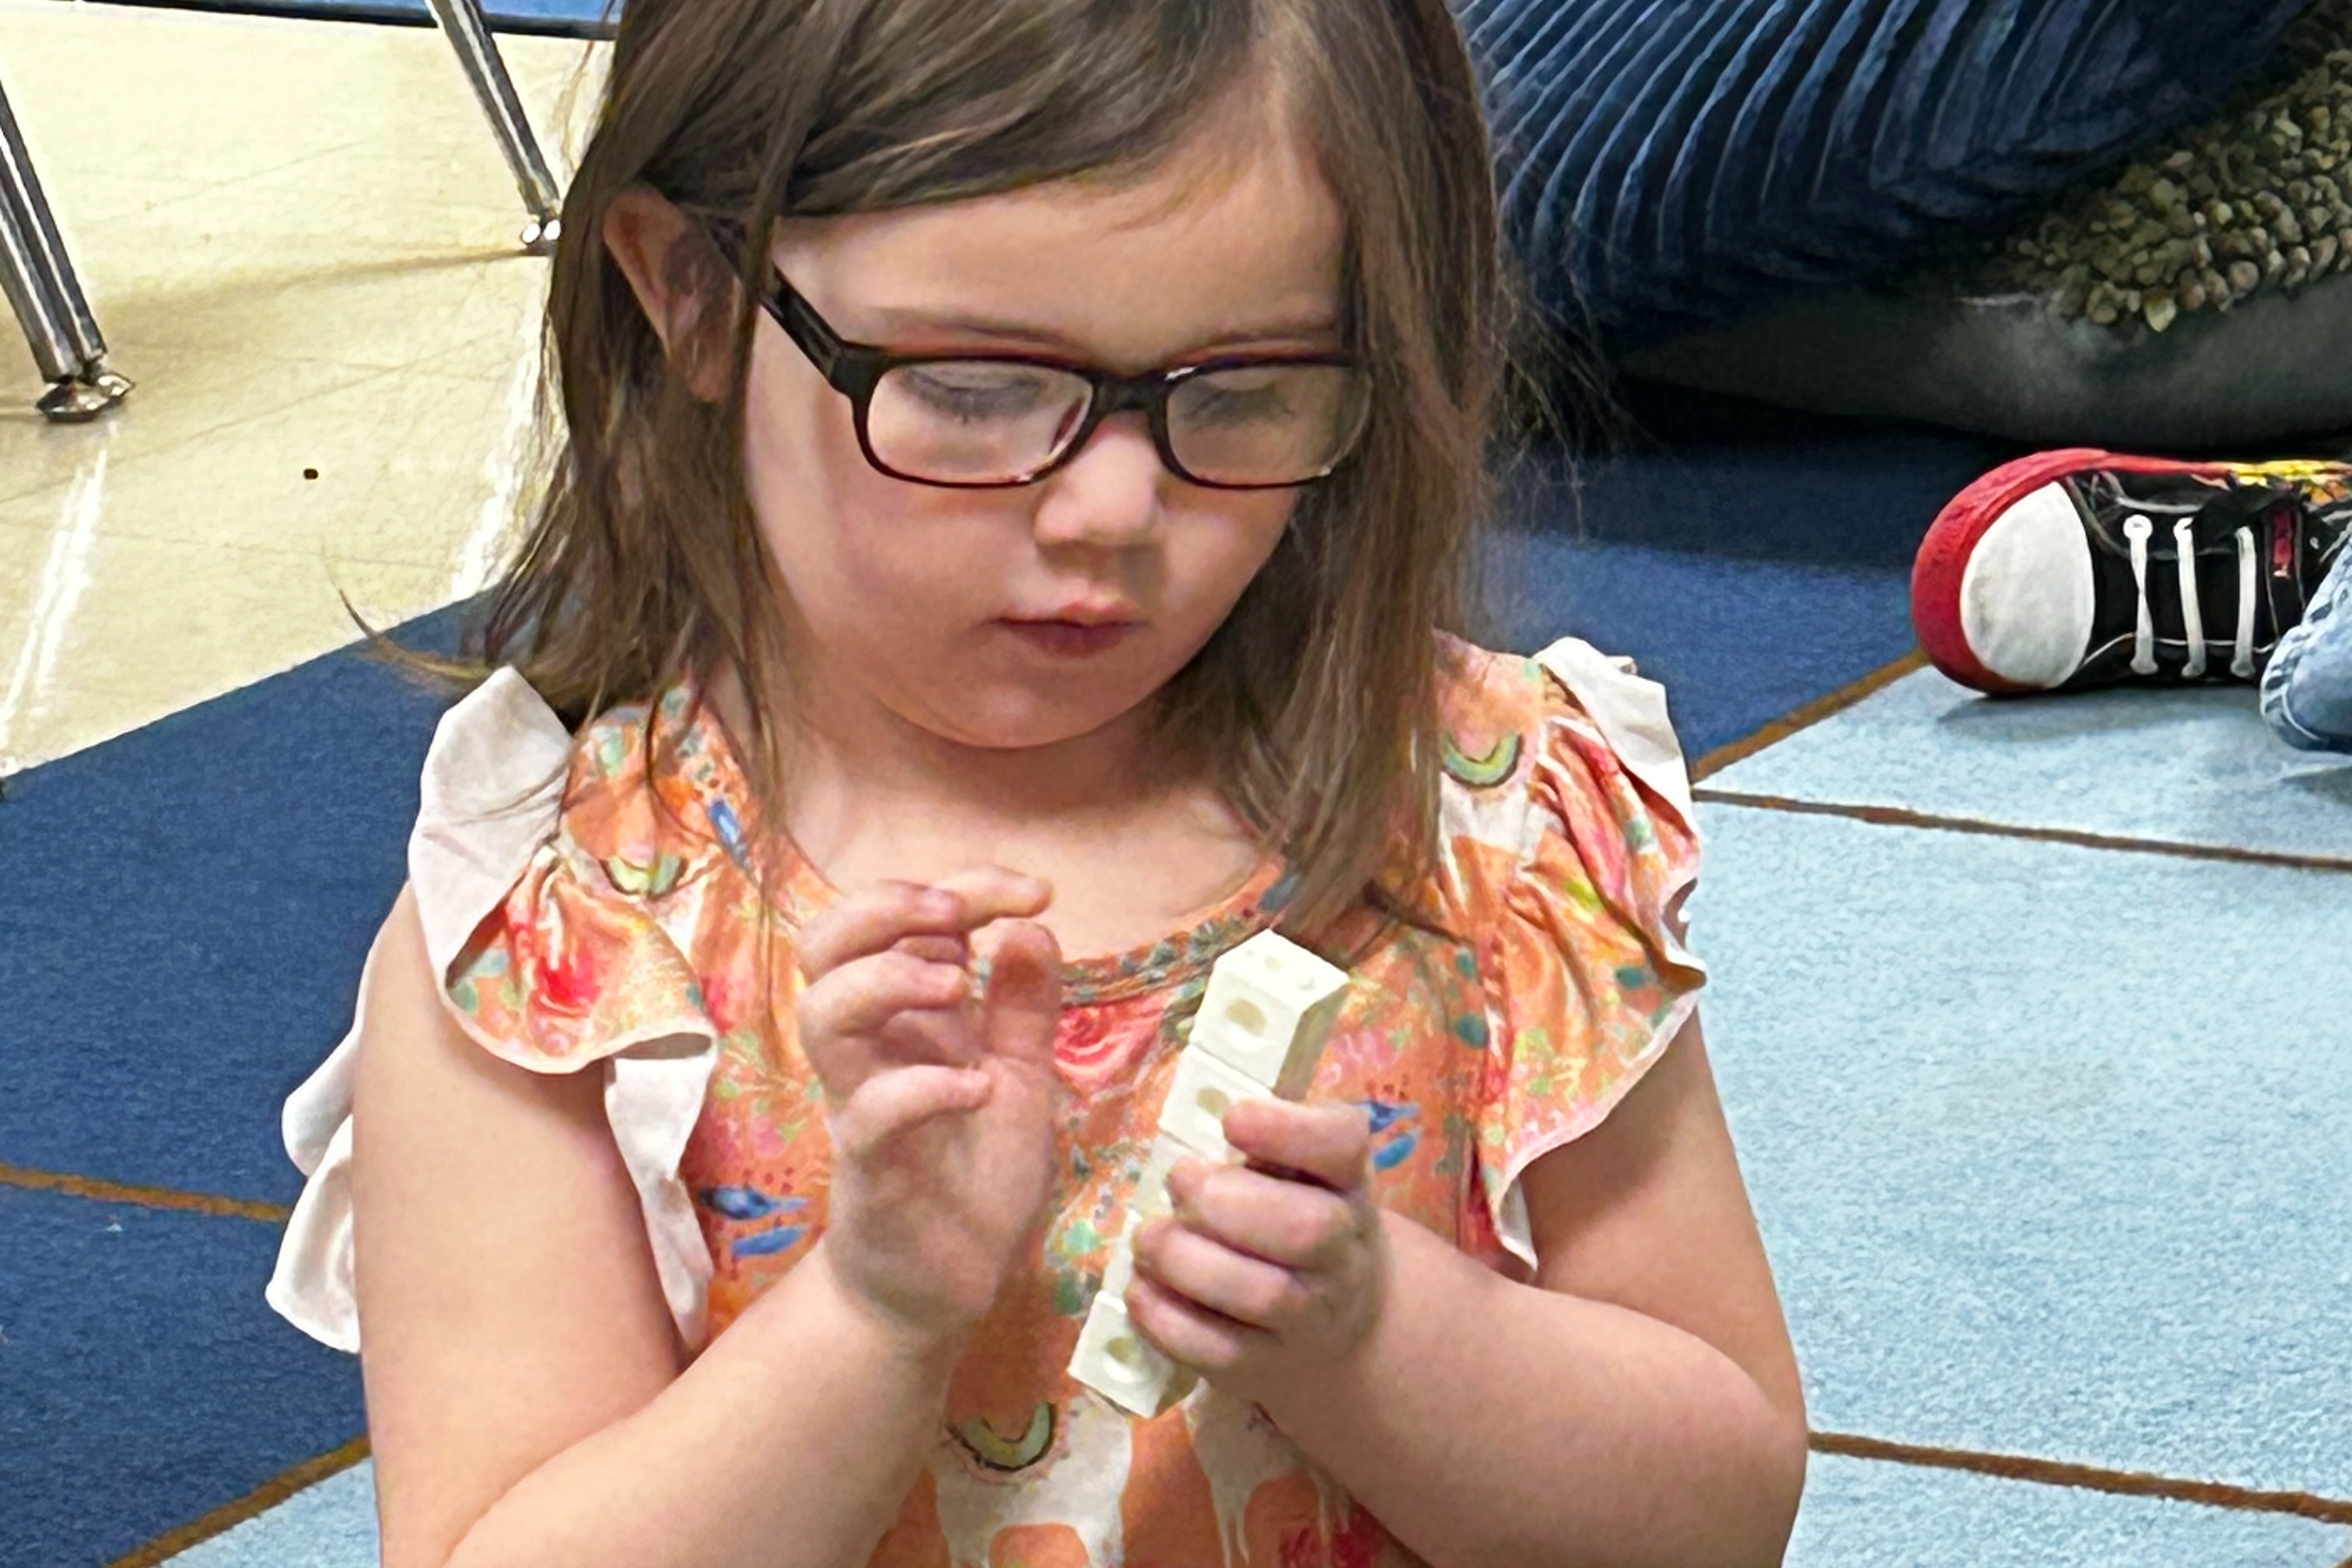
[{"x": 1317, "y": 699}]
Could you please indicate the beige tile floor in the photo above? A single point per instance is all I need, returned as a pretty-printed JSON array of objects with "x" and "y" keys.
[{"x": 301, "y": 241}]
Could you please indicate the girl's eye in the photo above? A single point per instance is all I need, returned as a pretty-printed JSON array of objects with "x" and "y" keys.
[
  {"x": 1237, "y": 396},
  {"x": 973, "y": 391}
]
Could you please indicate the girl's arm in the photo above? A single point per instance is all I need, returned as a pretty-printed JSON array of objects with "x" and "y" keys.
[
  {"x": 1639, "y": 1404},
  {"x": 524, "y": 1384}
]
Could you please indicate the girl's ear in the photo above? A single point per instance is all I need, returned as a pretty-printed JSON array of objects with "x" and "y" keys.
[{"x": 676, "y": 274}]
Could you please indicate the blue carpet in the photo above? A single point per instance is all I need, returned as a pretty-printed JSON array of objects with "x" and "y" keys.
[
  {"x": 186, "y": 915},
  {"x": 2048, "y": 1143},
  {"x": 1738, "y": 644},
  {"x": 1752, "y": 559},
  {"x": 142, "y": 1380},
  {"x": 2184, "y": 766}
]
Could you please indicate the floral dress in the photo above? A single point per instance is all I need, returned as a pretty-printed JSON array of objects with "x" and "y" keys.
[{"x": 593, "y": 902}]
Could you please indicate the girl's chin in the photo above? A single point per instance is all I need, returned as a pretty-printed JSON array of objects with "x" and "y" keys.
[{"x": 1019, "y": 722}]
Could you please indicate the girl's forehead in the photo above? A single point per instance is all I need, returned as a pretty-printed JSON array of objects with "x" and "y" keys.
[{"x": 1229, "y": 241}]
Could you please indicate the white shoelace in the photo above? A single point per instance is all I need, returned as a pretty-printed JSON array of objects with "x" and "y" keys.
[
  {"x": 2138, "y": 531},
  {"x": 2241, "y": 664},
  {"x": 2192, "y": 614}
]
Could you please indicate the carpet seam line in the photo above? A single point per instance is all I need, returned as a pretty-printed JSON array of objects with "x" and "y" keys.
[
  {"x": 2088, "y": 1477},
  {"x": 1797, "y": 721},
  {"x": 96, "y": 1190},
  {"x": 1931, "y": 822},
  {"x": 278, "y": 1488}
]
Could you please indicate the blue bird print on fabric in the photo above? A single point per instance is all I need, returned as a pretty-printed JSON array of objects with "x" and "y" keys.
[
  {"x": 729, "y": 828},
  {"x": 747, "y": 1204},
  {"x": 1393, "y": 1141}
]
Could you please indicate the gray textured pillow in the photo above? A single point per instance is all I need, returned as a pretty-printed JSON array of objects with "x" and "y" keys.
[
  {"x": 2275, "y": 366},
  {"x": 2201, "y": 297}
]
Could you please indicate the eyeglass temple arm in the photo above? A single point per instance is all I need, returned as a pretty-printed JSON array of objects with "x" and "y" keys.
[{"x": 818, "y": 340}]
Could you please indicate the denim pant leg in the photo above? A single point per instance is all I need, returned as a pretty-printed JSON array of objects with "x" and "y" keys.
[{"x": 2307, "y": 690}]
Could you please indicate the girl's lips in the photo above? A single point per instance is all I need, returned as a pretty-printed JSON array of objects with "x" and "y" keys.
[{"x": 1071, "y": 639}]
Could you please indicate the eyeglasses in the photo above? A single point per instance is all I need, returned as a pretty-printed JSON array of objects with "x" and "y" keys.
[{"x": 996, "y": 421}]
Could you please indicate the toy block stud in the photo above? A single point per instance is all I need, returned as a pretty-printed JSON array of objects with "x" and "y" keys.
[
  {"x": 1119, "y": 1364},
  {"x": 1269, "y": 1006},
  {"x": 1195, "y": 1113}
]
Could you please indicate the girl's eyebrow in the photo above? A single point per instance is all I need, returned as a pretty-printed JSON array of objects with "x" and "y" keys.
[{"x": 892, "y": 325}]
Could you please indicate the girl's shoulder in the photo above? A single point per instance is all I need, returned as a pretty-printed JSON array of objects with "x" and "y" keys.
[
  {"x": 582, "y": 883},
  {"x": 653, "y": 790},
  {"x": 1489, "y": 696},
  {"x": 1563, "y": 765},
  {"x": 560, "y": 879}
]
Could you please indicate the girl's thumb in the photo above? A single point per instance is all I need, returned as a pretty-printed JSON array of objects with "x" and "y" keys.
[{"x": 1023, "y": 1003}]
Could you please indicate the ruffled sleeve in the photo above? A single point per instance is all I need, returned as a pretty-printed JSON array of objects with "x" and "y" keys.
[
  {"x": 1574, "y": 866},
  {"x": 554, "y": 957}
]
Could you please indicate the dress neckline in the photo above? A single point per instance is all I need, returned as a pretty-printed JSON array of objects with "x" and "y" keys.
[{"x": 719, "y": 803}]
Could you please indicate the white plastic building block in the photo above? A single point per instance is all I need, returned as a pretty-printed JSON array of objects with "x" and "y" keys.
[
  {"x": 1269, "y": 1006},
  {"x": 1267, "y": 1010},
  {"x": 1204, "y": 1090},
  {"x": 1119, "y": 1364},
  {"x": 1119, "y": 1273},
  {"x": 1117, "y": 1378},
  {"x": 1151, "y": 1201}
]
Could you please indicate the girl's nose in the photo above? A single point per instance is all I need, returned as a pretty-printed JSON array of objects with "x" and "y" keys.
[{"x": 1108, "y": 495}]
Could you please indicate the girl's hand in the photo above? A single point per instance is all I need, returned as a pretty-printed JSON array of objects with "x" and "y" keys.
[
  {"x": 1269, "y": 1273},
  {"x": 941, "y": 1103}
]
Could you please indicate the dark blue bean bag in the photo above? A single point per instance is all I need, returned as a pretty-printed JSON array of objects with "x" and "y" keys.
[{"x": 1667, "y": 163}]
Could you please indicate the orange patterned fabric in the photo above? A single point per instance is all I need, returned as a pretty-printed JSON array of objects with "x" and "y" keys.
[{"x": 1542, "y": 976}]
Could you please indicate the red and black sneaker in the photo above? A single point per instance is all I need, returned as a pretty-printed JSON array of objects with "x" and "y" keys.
[{"x": 2082, "y": 568}]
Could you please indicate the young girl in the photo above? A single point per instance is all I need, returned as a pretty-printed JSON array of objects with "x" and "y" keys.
[{"x": 963, "y": 609}]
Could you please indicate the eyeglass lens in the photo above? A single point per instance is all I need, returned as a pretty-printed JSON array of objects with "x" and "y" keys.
[{"x": 979, "y": 421}]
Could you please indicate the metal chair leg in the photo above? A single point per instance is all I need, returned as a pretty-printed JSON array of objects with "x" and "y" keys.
[
  {"x": 477, "y": 53},
  {"x": 38, "y": 277}
]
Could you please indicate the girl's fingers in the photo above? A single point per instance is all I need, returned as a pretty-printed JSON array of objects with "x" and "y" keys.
[
  {"x": 861, "y": 998},
  {"x": 1023, "y": 1007},
  {"x": 1288, "y": 1224},
  {"x": 1189, "y": 1333},
  {"x": 874, "y": 921},
  {"x": 880, "y": 918},
  {"x": 944, "y": 1035},
  {"x": 891, "y": 979},
  {"x": 954, "y": 950},
  {"x": 890, "y": 1104},
  {"x": 1249, "y": 1291},
  {"x": 997, "y": 893},
  {"x": 1327, "y": 1143}
]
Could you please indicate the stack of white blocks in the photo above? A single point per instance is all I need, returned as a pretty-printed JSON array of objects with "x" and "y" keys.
[{"x": 1268, "y": 1008}]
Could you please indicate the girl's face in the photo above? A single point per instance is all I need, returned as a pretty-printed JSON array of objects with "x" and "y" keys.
[{"x": 940, "y": 605}]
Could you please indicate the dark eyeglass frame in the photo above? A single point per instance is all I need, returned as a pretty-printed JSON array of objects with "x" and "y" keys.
[{"x": 855, "y": 370}]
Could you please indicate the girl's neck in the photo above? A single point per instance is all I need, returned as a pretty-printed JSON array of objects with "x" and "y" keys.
[
  {"x": 1132, "y": 851},
  {"x": 826, "y": 746}
]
